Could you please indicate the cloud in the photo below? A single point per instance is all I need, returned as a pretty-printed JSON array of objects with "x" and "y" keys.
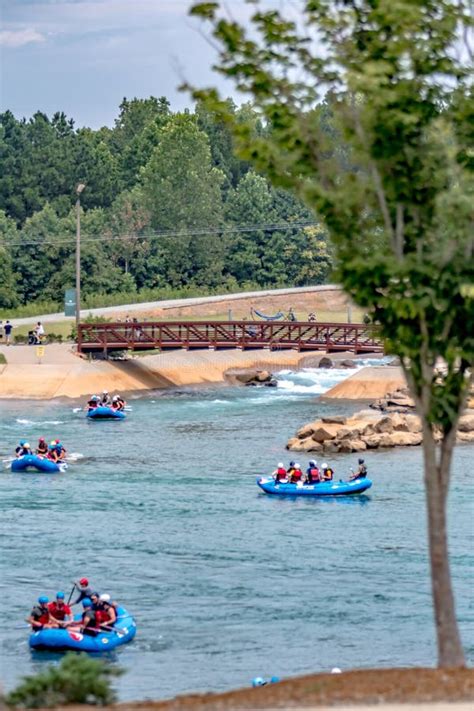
[{"x": 18, "y": 38}]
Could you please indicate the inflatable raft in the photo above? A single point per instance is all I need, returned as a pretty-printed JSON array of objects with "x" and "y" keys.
[
  {"x": 105, "y": 413},
  {"x": 326, "y": 488},
  {"x": 63, "y": 640},
  {"x": 32, "y": 462}
]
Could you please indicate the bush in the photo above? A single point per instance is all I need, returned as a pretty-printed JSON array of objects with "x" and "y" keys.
[
  {"x": 78, "y": 679},
  {"x": 55, "y": 337},
  {"x": 20, "y": 339}
]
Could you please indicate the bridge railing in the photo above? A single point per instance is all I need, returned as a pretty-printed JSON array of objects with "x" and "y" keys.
[{"x": 165, "y": 335}]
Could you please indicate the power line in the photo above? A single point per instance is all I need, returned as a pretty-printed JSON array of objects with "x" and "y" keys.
[{"x": 265, "y": 227}]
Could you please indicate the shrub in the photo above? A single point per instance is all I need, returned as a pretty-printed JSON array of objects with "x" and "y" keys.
[
  {"x": 20, "y": 339},
  {"x": 78, "y": 679}
]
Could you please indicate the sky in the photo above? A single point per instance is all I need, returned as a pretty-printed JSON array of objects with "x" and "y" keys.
[{"x": 83, "y": 56}]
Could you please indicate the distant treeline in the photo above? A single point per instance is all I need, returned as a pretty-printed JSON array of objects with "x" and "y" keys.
[{"x": 167, "y": 205}]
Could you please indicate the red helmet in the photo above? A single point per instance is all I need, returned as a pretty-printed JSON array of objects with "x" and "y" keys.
[{"x": 84, "y": 581}]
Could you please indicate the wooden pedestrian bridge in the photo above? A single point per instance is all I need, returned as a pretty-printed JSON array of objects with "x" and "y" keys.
[{"x": 218, "y": 335}]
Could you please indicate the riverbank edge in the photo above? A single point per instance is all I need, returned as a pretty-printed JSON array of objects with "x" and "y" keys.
[
  {"x": 77, "y": 378},
  {"x": 406, "y": 687}
]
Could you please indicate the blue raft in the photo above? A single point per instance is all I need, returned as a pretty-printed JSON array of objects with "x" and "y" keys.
[
  {"x": 61, "y": 640},
  {"x": 329, "y": 488},
  {"x": 105, "y": 413},
  {"x": 34, "y": 462}
]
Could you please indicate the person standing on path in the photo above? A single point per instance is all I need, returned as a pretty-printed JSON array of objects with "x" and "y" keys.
[{"x": 8, "y": 331}]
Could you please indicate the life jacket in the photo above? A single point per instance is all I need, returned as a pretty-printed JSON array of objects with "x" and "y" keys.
[
  {"x": 101, "y": 617},
  {"x": 313, "y": 474},
  {"x": 92, "y": 404},
  {"x": 42, "y": 448},
  {"x": 296, "y": 475},
  {"x": 39, "y": 614},
  {"x": 89, "y": 618},
  {"x": 59, "y": 613},
  {"x": 362, "y": 471},
  {"x": 280, "y": 473}
]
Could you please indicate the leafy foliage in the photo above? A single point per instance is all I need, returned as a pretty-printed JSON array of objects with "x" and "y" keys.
[
  {"x": 78, "y": 679},
  {"x": 160, "y": 200},
  {"x": 368, "y": 106}
]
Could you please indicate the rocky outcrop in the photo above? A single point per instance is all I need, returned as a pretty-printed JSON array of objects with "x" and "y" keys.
[
  {"x": 325, "y": 362},
  {"x": 396, "y": 401},
  {"x": 368, "y": 429},
  {"x": 256, "y": 377}
]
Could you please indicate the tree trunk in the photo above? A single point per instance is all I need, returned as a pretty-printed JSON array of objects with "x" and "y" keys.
[{"x": 450, "y": 651}]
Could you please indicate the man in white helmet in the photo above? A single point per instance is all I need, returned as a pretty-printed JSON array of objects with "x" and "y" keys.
[
  {"x": 327, "y": 473},
  {"x": 280, "y": 472}
]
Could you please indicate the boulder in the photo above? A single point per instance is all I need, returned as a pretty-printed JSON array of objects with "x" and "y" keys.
[
  {"x": 334, "y": 420},
  {"x": 347, "y": 363},
  {"x": 466, "y": 423},
  {"x": 404, "y": 439},
  {"x": 313, "y": 446},
  {"x": 331, "y": 447},
  {"x": 413, "y": 423},
  {"x": 372, "y": 441},
  {"x": 307, "y": 430},
  {"x": 325, "y": 362},
  {"x": 246, "y": 377},
  {"x": 384, "y": 425},
  {"x": 352, "y": 445},
  {"x": 399, "y": 422},
  {"x": 465, "y": 436},
  {"x": 263, "y": 376},
  {"x": 324, "y": 433},
  {"x": 379, "y": 404},
  {"x": 299, "y": 445}
]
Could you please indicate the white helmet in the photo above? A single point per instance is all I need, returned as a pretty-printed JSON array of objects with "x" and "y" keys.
[
  {"x": 297, "y": 466},
  {"x": 26, "y": 445},
  {"x": 324, "y": 465},
  {"x": 280, "y": 465},
  {"x": 105, "y": 392},
  {"x": 105, "y": 597}
]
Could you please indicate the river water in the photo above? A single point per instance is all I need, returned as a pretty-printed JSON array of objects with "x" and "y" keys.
[{"x": 225, "y": 582}]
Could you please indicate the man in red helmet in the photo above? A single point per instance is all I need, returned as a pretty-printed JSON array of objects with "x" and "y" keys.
[{"x": 82, "y": 586}]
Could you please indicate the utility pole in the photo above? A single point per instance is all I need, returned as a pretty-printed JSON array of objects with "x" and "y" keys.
[{"x": 79, "y": 190}]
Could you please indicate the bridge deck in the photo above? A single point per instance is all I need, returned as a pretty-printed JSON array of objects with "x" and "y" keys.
[{"x": 275, "y": 335}]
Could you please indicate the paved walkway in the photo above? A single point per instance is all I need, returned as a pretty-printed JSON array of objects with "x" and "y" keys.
[
  {"x": 173, "y": 303},
  {"x": 54, "y": 354}
]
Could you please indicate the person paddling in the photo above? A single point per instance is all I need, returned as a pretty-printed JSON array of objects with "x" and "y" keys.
[
  {"x": 84, "y": 590},
  {"x": 360, "y": 473},
  {"x": 39, "y": 616}
]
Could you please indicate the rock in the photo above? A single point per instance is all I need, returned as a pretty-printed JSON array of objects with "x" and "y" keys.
[
  {"x": 273, "y": 383},
  {"x": 334, "y": 420},
  {"x": 372, "y": 441},
  {"x": 307, "y": 430},
  {"x": 413, "y": 423},
  {"x": 314, "y": 446},
  {"x": 331, "y": 447},
  {"x": 384, "y": 425},
  {"x": 246, "y": 377},
  {"x": 325, "y": 362},
  {"x": 300, "y": 445},
  {"x": 399, "y": 439},
  {"x": 263, "y": 376},
  {"x": 252, "y": 377},
  {"x": 399, "y": 422},
  {"x": 466, "y": 423},
  {"x": 385, "y": 440},
  {"x": 324, "y": 433},
  {"x": 348, "y": 363},
  {"x": 465, "y": 436},
  {"x": 379, "y": 404},
  {"x": 352, "y": 445}
]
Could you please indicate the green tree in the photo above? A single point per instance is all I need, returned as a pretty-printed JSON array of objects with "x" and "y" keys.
[
  {"x": 78, "y": 679},
  {"x": 400, "y": 209},
  {"x": 8, "y": 285},
  {"x": 182, "y": 192}
]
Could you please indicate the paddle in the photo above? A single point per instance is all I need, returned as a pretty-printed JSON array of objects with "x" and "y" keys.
[{"x": 71, "y": 593}]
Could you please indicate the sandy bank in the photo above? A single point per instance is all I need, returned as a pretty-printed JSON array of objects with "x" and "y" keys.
[
  {"x": 73, "y": 377},
  {"x": 390, "y": 689},
  {"x": 368, "y": 384}
]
